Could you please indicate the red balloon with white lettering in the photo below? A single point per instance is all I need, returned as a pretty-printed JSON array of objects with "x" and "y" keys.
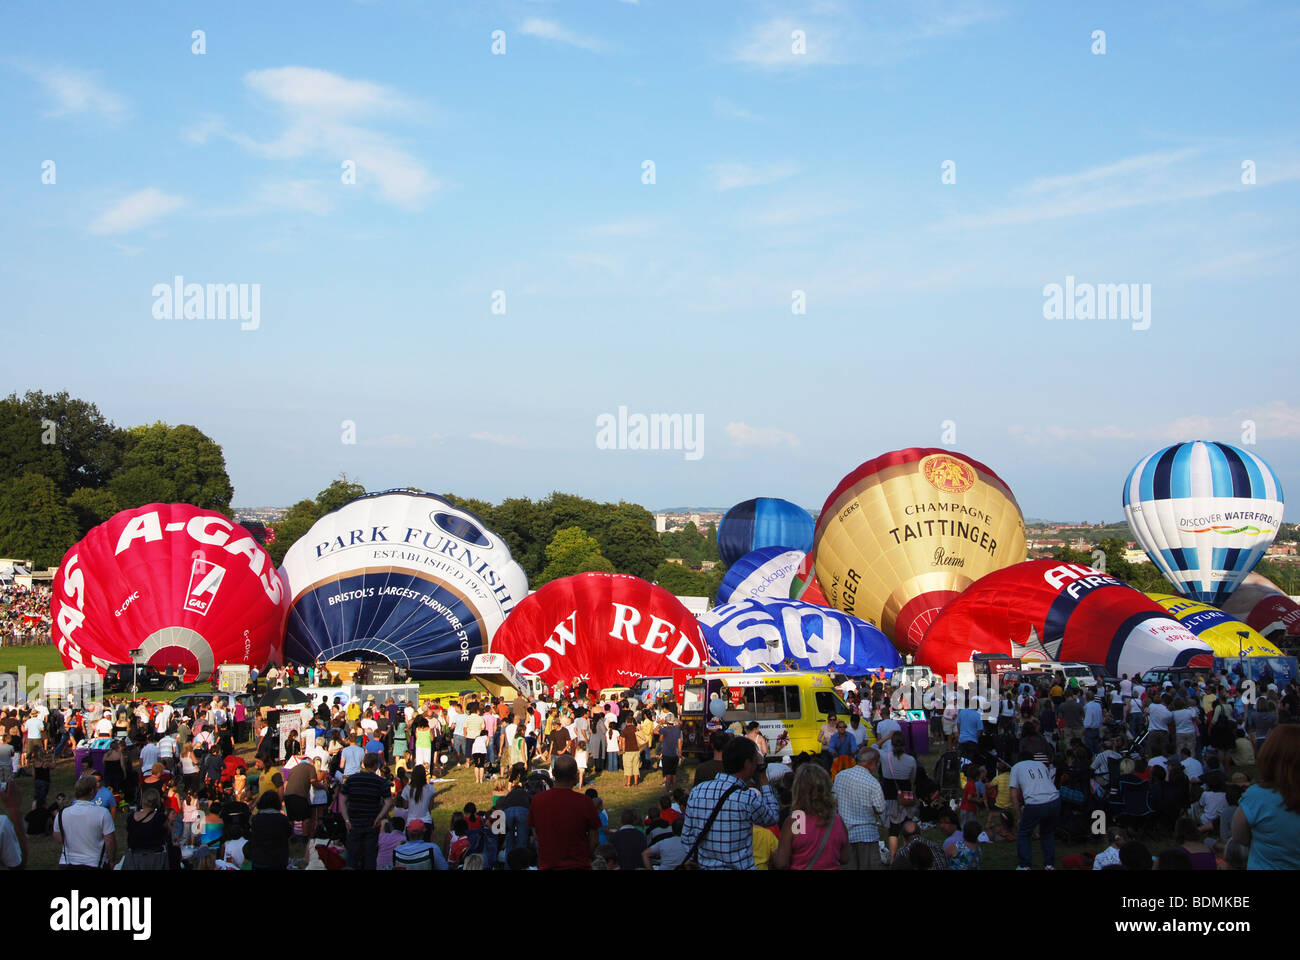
[
  {"x": 186, "y": 587},
  {"x": 1063, "y": 612},
  {"x": 608, "y": 629}
]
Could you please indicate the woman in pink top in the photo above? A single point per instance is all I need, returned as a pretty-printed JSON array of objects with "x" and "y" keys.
[{"x": 813, "y": 837}]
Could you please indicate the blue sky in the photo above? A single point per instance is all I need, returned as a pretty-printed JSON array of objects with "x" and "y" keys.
[{"x": 774, "y": 172}]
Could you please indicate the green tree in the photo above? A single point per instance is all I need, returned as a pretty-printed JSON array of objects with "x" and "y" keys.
[
  {"x": 165, "y": 464},
  {"x": 685, "y": 582},
  {"x": 630, "y": 542},
  {"x": 91, "y": 508},
  {"x": 299, "y": 518},
  {"x": 35, "y": 521},
  {"x": 572, "y": 550},
  {"x": 61, "y": 437}
]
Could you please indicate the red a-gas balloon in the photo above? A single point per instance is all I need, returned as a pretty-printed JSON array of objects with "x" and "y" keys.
[
  {"x": 1051, "y": 610},
  {"x": 606, "y": 628},
  {"x": 185, "y": 586}
]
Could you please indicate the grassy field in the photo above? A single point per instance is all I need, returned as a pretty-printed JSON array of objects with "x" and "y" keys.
[{"x": 462, "y": 789}]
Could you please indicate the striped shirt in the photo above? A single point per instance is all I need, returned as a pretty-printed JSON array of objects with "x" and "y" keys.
[
  {"x": 861, "y": 803},
  {"x": 366, "y": 793},
  {"x": 729, "y": 844}
]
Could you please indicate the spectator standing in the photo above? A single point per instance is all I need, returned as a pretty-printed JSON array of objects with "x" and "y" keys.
[
  {"x": 728, "y": 843},
  {"x": 861, "y": 804}
]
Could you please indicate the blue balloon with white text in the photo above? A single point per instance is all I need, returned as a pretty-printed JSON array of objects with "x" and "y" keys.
[{"x": 793, "y": 635}]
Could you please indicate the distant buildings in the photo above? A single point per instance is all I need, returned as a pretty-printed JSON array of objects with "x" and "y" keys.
[{"x": 669, "y": 522}]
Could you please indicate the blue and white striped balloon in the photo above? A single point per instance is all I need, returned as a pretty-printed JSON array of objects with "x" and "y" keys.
[
  {"x": 1205, "y": 513},
  {"x": 762, "y": 574}
]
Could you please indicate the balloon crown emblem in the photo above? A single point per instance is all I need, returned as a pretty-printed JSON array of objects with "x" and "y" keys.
[{"x": 948, "y": 474}]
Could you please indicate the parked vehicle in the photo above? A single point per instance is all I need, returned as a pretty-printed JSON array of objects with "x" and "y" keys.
[{"x": 118, "y": 678}]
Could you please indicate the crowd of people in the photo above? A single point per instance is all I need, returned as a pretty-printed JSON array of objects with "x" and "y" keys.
[
  {"x": 24, "y": 615},
  {"x": 1196, "y": 775}
]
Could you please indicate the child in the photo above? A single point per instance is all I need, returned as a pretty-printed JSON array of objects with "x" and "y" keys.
[
  {"x": 394, "y": 836},
  {"x": 967, "y": 854},
  {"x": 479, "y": 752},
  {"x": 580, "y": 755},
  {"x": 969, "y": 795}
]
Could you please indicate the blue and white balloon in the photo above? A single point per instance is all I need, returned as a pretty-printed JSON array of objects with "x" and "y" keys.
[
  {"x": 761, "y": 574},
  {"x": 1205, "y": 513},
  {"x": 406, "y": 577},
  {"x": 793, "y": 635}
]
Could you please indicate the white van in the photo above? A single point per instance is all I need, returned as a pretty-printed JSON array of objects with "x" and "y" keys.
[{"x": 72, "y": 687}]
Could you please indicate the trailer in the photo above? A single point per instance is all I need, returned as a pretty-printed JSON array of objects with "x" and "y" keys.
[{"x": 72, "y": 687}]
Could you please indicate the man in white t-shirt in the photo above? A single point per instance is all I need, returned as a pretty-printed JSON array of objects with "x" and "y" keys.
[
  {"x": 1038, "y": 804},
  {"x": 104, "y": 726},
  {"x": 1126, "y": 687},
  {"x": 1159, "y": 717},
  {"x": 1191, "y": 766},
  {"x": 85, "y": 832}
]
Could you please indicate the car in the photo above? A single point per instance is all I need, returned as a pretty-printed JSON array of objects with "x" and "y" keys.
[
  {"x": 916, "y": 676},
  {"x": 118, "y": 678},
  {"x": 186, "y": 701},
  {"x": 1157, "y": 676}
]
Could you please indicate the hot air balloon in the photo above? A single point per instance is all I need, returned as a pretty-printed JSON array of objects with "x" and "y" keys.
[
  {"x": 186, "y": 587},
  {"x": 1262, "y": 604},
  {"x": 765, "y": 572},
  {"x": 1064, "y": 612},
  {"x": 1226, "y": 635},
  {"x": 403, "y": 577},
  {"x": 907, "y": 532},
  {"x": 804, "y": 586},
  {"x": 1204, "y": 513},
  {"x": 792, "y": 635},
  {"x": 764, "y": 522},
  {"x": 606, "y": 628}
]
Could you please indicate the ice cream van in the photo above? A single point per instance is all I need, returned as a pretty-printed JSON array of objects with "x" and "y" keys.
[{"x": 790, "y": 708}]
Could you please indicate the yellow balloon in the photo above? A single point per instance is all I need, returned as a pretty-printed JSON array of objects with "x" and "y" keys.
[
  {"x": 1222, "y": 632},
  {"x": 905, "y": 533}
]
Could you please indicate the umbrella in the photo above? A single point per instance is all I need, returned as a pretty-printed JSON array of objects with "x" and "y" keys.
[{"x": 283, "y": 697}]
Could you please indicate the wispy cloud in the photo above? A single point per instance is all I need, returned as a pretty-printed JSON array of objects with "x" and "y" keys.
[
  {"x": 624, "y": 228},
  {"x": 498, "y": 439},
  {"x": 1277, "y": 420},
  {"x": 557, "y": 33},
  {"x": 132, "y": 212},
  {"x": 1142, "y": 180},
  {"x": 74, "y": 92},
  {"x": 331, "y": 118},
  {"x": 725, "y": 108},
  {"x": 730, "y": 176},
  {"x": 824, "y": 32},
  {"x": 743, "y": 435}
]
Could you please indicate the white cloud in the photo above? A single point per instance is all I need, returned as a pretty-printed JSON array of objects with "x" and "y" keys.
[
  {"x": 772, "y": 43},
  {"x": 1111, "y": 432},
  {"x": 396, "y": 440},
  {"x": 1141, "y": 180},
  {"x": 75, "y": 92},
  {"x": 729, "y": 176},
  {"x": 624, "y": 228},
  {"x": 330, "y": 119},
  {"x": 497, "y": 439},
  {"x": 834, "y": 33},
  {"x": 135, "y": 211},
  {"x": 743, "y": 435},
  {"x": 305, "y": 196},
  {"x": 550, "y": 30},
  {"x": 725, "y": 108}
]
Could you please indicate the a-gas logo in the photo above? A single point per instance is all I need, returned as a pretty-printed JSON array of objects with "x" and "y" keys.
[{"x": 205, "y": 579}]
